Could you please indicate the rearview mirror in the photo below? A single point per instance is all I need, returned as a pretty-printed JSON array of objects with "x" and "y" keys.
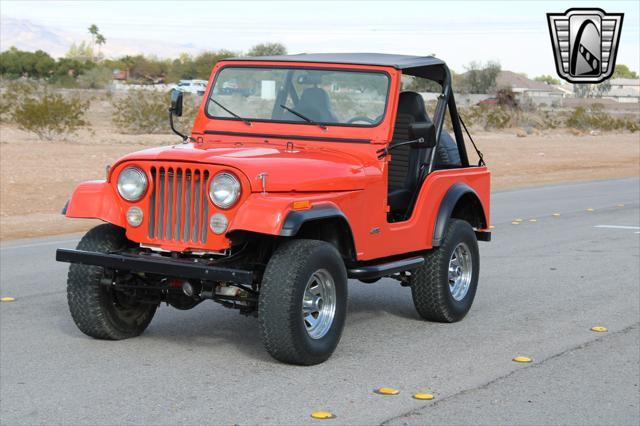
[
  {"x": 176, "y": 103},
  {"x": 426, "y": 131}
]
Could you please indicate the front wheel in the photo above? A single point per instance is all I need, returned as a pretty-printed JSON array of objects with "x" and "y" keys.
[
  {"x": 303, "y": 302},
  {"x": 97, "y": 309},
  {"x": 443, "y": 288}
]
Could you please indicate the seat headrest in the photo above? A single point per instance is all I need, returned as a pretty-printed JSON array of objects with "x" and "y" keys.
[
  {"x": 411, "y": 103},
  {"x": 314, "y": 95}
]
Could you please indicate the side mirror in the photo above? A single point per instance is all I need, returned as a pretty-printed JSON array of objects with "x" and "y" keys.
[
  {"x": 176, "y": 103},
  {"x": 426, "y": 131}
]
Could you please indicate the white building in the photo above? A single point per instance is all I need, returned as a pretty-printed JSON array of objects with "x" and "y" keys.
[
  {"x": 523, "y": 86},
  {"x": 624, "y": 90}
]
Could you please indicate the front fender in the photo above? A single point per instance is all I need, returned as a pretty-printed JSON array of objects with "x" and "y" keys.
[
  {"x": 273, "y": 214},
  {"x": 95, "y": 199}
]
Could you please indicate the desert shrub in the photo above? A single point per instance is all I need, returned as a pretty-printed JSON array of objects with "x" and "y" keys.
[
  {"x": 5, "y": 109},
  {"x": 552, "y": 120},
  {"x": 498, "y": 118},
  {"x": 50, "y": 115},
  {"x": 95, "y": 78},
  {"x": 594, "y": 117},
  {"x": 63, "y": 82},
  {"x": 489, "y": 116},
  {"x": 13, "y": 94},
  {"x": 145, "y": 111},
  {"x": 632, "y": 125}
]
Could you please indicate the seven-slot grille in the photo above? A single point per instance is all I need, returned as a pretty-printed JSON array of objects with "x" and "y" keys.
[{"x": 178, "y": 205}]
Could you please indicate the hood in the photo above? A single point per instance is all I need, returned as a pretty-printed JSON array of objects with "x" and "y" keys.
[{"x": 303, "y": 169}]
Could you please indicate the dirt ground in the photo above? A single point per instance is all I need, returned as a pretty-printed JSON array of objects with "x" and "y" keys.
[{"x": 36, "y": 178}]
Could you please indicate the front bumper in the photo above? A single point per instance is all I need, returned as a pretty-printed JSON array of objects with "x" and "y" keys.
[{"x": 153, "y": 264}]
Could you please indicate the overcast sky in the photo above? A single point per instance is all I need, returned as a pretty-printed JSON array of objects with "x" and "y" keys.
[{"x": 515, "y": 33}]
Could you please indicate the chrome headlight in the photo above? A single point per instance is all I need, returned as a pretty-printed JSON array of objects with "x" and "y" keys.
[
  {"x": 224, "y": 190},
  {"x": 132, "y": 183}
]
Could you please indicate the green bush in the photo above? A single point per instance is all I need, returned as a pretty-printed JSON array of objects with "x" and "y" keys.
[
  {"x": 145, "y": 111},
  {"x": 50, "y": 115},
  {"x": 16, "y": 63}
]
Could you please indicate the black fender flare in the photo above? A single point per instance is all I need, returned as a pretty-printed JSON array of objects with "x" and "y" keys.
[
  {"x": 451, "y": 198},
  {"x": 342, "y": 238},
  {"x": 296, "y": 218}
]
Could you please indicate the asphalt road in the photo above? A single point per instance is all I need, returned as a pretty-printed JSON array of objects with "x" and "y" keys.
[{"x": 543, "y": 285}]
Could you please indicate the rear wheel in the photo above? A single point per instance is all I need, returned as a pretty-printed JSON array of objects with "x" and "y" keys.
[
  {"x": 303, "y": 301},
  {"x": 443, "y": 288},
  {"x": 97, "y": 309}
]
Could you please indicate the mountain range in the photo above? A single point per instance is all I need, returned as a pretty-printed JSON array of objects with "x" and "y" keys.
[{"x": 27, "y": 35}]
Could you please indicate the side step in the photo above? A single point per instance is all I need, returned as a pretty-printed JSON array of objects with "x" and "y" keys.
[{"x": 384, "y": 269}]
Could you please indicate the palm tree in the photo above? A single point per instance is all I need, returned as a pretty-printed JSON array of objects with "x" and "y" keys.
[
  {"x": 100, "y": 40},
  {"x": 96, "y": 38}
]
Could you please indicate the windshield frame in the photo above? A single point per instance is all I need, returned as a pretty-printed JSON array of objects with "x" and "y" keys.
[{"x": 383, "y": 116}]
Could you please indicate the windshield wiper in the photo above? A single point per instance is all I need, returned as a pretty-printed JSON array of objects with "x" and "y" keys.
[
  {"x": 304, "y": 117},
  {"x": 244, "y": 120}
]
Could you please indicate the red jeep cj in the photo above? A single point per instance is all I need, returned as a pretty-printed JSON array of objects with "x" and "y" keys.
[{"x": 300, "y": 172}]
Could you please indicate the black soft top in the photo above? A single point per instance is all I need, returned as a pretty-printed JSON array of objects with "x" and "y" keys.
[
  {"x": 421, "y": 66},
  {"x": 400, "y": 62}
]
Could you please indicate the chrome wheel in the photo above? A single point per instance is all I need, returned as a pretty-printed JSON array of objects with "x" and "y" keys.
[
  {"x": 460, "y": 270},
  {"x": 319, "y": 304}
]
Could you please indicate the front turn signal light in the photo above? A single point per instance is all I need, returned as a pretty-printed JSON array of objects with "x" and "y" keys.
[{"x": 301, "y": 205}]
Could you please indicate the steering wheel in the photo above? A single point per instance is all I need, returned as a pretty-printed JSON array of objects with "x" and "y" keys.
[{"x": 361, "y": 118}]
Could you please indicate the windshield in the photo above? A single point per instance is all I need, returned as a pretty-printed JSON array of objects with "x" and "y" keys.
[{"x": 311, "y": 96}]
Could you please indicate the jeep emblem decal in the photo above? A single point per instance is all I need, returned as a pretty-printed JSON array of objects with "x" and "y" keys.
[{"x": 585, "y": 43}]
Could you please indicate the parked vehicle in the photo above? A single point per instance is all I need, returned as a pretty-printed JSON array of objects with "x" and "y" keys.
[
  {"x": 488, "y": 101},
  {"x": 325, "y": 170},
  {"x": 192, "y": 86}
]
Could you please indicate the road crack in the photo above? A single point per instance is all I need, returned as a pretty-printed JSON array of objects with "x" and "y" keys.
[{"x": 422, "y": 409}]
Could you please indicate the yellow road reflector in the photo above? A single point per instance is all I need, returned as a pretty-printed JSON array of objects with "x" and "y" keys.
[
  {"x": 322, "y": 415},
  {"x": 556, "y": 215},
  {"x": 387, "y": 391},
  {"x": 7, "y": 299},
  {"x": 517, "y": 220},
  {"x": 591, "y": 210},
  {"x": 599, "y": 329},
  {"x": 533, "y": 220},
  {"x": 423, "y": 396},
  {"x": 619, "y": 205},
  {"x": 522, "y": 359},
  {"x": 515, "y": 223}
]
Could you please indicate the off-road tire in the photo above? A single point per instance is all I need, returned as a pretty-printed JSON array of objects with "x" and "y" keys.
[
  {"x": 282, "y": 328},
  {"x": 92, "y": 304},
  {"x": 430, "y": 283}
]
